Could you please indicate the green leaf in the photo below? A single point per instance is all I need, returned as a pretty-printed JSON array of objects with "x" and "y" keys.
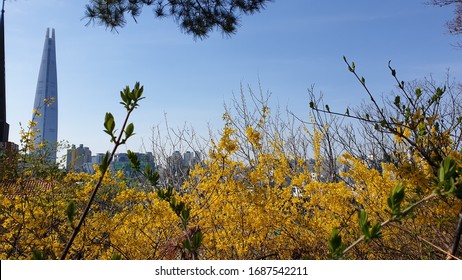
[
  {"x": 109, "y": 124},
  {"x": 151, "y": 175},
  {"x": 447, "y": 169},
  {"x": 335, "y": 240},
  {"x": 138, "y": 91},
  {"x": 116, "y": 257},
  {"x": 161, "y": 194},
  {"x": 70, "y": 212},
  {"x": 336, "y": 245},
  {"x": 398, "y": 193},
  {"x": 397, "y": 101},
  {"x": 185, "y": 215},
  {"x": 452, "y": 165},
  {"x": 395, "y": 199},
  {"x": 449, "y": 177},
  {"x": 440, "y": 91},
  {"x": 197, "y": 240},
  {"x": 451, "y": 186},
  {"x": 134, "y": 161},
  {"x": 124, "y": 98},
  {"x": 38, "y": 255},
  {"x": 441, "y": 174},
  {"x": 187, "y": 245},
  {"x": 364, "y": 224},
  {"x": 376, "y": 231},
  {"x": 365, "y": 227},
  {"x": 104, "y": 163},
  {"x": 422, "y": 130}
]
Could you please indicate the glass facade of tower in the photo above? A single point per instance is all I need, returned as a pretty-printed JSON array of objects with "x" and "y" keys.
[{"x": 46, "y": 99}]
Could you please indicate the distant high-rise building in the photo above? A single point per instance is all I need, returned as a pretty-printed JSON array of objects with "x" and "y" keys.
[
  {"x": 98, "y": 158},
  {"x": 188, "y": 159},
  {"x": 46, "y": 98},
  {"x": 79, "y": 159},
  {"x": 191, "y": 158},
  {"x": 122, "y": 163},
  {"x": 177, "y": 168}
]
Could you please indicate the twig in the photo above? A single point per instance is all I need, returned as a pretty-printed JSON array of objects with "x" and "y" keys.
[
  {"x": 403, "y": 213},
  {"x": 428, "y": 242},
  {"x": 130, "y": 101}
]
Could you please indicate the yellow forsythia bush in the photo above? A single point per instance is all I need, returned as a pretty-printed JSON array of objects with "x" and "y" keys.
[{"x": 266, "y": 207}]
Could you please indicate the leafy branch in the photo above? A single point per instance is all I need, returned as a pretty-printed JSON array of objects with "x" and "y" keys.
[
  {"x": 449, "y": 183},
  {"x": 412, "y": 116},
  {"x": 193, "y": 235},
  {"x": 130, "y": 99},
  {"x": 425, "y": 135}
]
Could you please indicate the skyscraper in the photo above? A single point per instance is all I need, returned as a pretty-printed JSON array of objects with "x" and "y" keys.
[
  {"x": 6, "y": 148},
  {"x": 46, "y": 98}
]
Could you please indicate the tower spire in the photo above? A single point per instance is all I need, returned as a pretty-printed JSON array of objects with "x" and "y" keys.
[{"x": 4, "y": 126}]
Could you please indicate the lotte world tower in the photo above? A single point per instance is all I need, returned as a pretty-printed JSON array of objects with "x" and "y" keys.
[{"x": 46, "y": 99}]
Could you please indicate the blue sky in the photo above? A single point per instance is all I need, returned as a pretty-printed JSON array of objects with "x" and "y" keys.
[{"x": 290, "y": 46}]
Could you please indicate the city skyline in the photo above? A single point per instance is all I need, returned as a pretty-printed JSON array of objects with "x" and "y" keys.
[{"x": 177, "y": 165}]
